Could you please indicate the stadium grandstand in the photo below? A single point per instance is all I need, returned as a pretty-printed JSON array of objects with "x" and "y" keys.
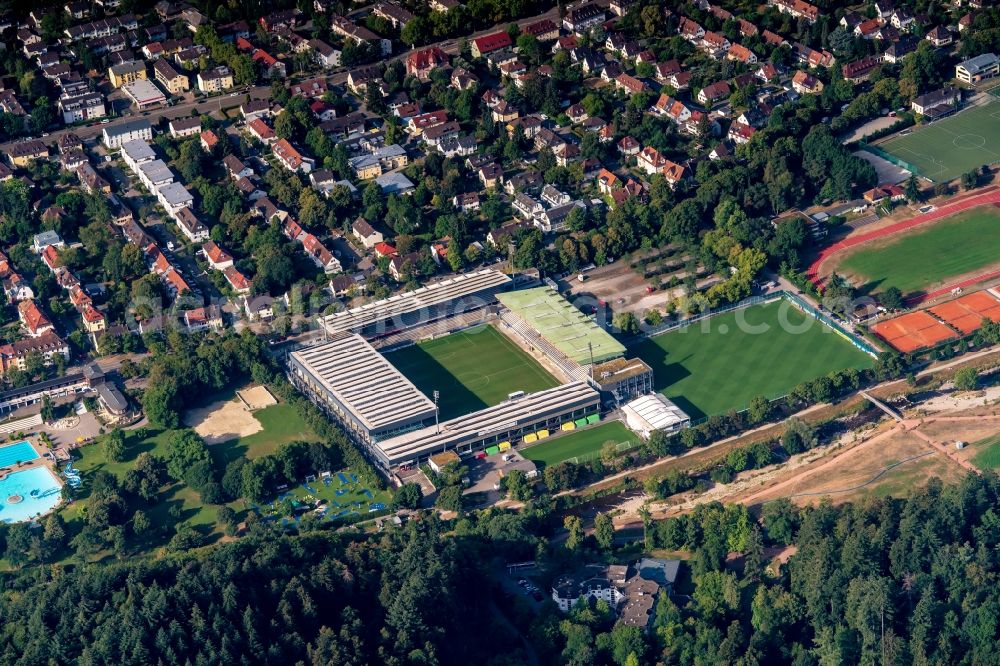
[
  {"x": 462, "y": 293},
  {"x": 354, "y": 383},
  {"x": 503, "y": 426},
  {"x": 554, "y": 325}
]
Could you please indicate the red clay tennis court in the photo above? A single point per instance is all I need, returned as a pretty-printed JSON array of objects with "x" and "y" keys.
[
  {"x": 967, "y": 313},
  {"x": 913, "y": 331}
]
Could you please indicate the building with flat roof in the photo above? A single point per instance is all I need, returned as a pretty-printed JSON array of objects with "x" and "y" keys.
[
  {"x": 572, "y": 333},
  {"x": 351, "y": 381},
  {"x": 461, "y": 293},
  {"x": 509, "y": 422},
  {"x": 144, "y": 94},
  {"x": 623, "y": 378}
]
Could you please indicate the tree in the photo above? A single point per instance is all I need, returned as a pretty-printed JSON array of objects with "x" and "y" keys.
[
  {"x": 891, "y": 298},
  {"x": 407, "y": 497},
  {"x": 966, "y": 379},
  {"x": 912, "y": 189},
  {"x": 604, "y": 531},
  {"x": 759, "y": 409},
  {"x": 184, "y": 450},
  {"x": 48, "y": 411},
  {"x": 574, "y": 526},
  {"x": 114, "y": 445},
  {"x": 517, "y": 485},
  {"x": 626, "y": 322}
]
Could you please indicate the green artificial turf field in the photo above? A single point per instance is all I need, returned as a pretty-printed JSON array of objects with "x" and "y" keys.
[
  {"x": 472, "y": 369},
  {"x": 719, "y": 364},
  {"x": 952, "y": 146},
  {"x": 987, "y": 453},
  {"x": 922, "y": 258},
  {"x": 583, "y": 444}
]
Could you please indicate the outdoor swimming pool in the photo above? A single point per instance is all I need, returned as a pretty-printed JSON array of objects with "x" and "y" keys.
[
  {"x": 14, "y": 453},
  {"x": 38, "y": 480}
]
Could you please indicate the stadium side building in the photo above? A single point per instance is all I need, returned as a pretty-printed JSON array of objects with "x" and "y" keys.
[{"x": 463, "y": 293}]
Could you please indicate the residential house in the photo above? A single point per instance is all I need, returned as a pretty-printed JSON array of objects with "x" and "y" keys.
[
  {"x": 583, "y": 17},
  {"x": 652, "y": 162},
  {"x": 203, "y": 319},
  {"x": 183, "y": 127},
  {"x": 366, "y": 234},
  {"x": 796, "y": 8},
  {"x": 237, "y": 281},
  {"x": 421, "y": 63},
  {"x": 217, "y": 258},
  {"x": 860, "y": 70},
  {"x": 359, "y": 34},
  {"x": 22, "y": 153},
  {"x": 33, "y": 320},
  {"x": 261, "y": 131},
  {"x": 324, "y": 55},
  {"x": 113, "y": 136},
  {"x": 713, "y": 92},
  {"x": 290, "y": 158},
  {"x": 805, "y": 83},
  {"x": 939, "y": 37},
  {"x": 173, "y": 81},
  {"x": 194, "y": 229},
  {"x": 482, "y": 46},
  {"x": 322, "y": 257},
  {"x": 126, "y": 72},
  {"x": 216, "y": 79}
]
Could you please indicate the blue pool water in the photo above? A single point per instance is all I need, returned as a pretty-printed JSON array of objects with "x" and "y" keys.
[
  {"x": 23, "y": 483},
  {"x": 15, "y": 453}
]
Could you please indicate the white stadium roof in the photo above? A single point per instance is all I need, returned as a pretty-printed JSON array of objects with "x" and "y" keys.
[
  {"x": 364, "y": 382},
  {"x": 654, "y": 412}
]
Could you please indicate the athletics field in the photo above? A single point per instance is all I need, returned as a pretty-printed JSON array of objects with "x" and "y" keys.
[
  {"x": 921, "y": 259},
  {"x": 947, "y": 148},
  {"x": 721, "y": 363},
  {"x": 473, "y": 369}
]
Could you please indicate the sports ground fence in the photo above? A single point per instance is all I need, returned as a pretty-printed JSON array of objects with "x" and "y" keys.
[{"x": 889, "y": 157}]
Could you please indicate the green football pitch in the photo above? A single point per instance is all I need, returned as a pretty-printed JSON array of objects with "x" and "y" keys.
[
  {"x": 578, "y": 444},
  {"x": 472, "y": 369},
  {"x": 949, "y": 147},
  {"x": 720, "y": 363},
  {"x": 928, "y": 257}
]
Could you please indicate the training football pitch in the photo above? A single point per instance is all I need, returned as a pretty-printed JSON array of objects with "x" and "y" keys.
[
  {"x": 952, "y": 146},
  {"x": 472, "y": 369},
  {"x": 579, "y": 445},
  {"x": 721, "y": 363},
  {"x": 923, "y": 258}
]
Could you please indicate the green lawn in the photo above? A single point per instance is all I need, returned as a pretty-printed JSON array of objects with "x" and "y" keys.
[
  {"x": 578, "y": 443},
  {"x": 282, "y": 425},
  {"x": 921, "y": 259},
  {"x": 472, "y": 369},
  {"x": 987, "y": 453},
  {"x": 720, "y": 363},
  {"x": 950, "y": 147}
]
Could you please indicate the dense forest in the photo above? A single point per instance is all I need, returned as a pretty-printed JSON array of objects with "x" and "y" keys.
[{"x": 881, "y": 581}]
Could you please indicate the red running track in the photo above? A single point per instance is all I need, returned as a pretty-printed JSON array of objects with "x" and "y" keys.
[{"x": 990, "y": 195}]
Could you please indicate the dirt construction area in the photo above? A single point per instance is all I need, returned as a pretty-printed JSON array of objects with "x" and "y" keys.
[
  {"x": 624, "y": 289},
  {"x": 256, "y": 397},
  {"x": 222, "y": 421}
]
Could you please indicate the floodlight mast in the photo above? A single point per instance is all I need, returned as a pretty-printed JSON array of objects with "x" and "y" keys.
[{"x": 437, "y": 410}]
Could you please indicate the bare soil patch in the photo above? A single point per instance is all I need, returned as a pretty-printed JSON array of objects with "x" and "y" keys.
[{"x": 222, "y": 421}]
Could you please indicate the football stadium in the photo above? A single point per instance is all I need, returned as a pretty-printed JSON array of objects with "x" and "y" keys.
[
  {"x": 465, "y": 364},
  {"x": 476, "y": 366}
]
